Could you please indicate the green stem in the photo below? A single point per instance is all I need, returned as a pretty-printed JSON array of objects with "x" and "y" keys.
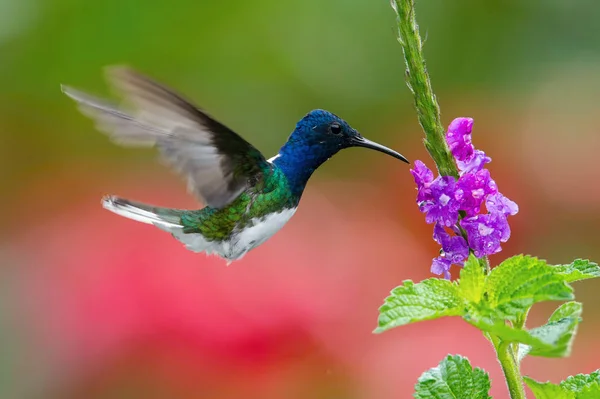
[
  {"x": 521, "y": 319},
  {"x": 519, "y": 324},
  {"x": 428, "y": 110},
  {"x": 510, "y": 367},
  {"x": 418, "y": 82},
  {"x": 485, "y": 264}
]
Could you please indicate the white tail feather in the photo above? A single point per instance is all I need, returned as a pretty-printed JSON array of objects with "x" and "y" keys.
[{"x": 127, "y": 209}]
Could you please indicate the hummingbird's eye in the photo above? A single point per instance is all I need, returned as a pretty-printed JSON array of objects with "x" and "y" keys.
[{"x": 335, "y": 128}]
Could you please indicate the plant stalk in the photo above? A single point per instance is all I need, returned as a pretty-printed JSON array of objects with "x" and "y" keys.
[
  {"x": 510, "y": 367},
  {"x": 428, "y": 112},
  {"x": 485, "y": 264},
  {"x": 418, "y": 82}
]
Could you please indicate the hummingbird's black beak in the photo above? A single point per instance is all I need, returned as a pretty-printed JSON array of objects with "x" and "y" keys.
[{"x": 360, "y": 141}]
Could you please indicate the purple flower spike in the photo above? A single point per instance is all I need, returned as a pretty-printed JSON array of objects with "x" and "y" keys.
[
  {"x": 499, "y": 203},
  {"x": 474, "y": 163},
  {"x": 441, "y": 265},
  {"x": 472, "y": 189},
  {"x": 442, "y": 198},
  {"x": 439, "y": 202},
  {"x": 459, "y": 138},
  {"x": 486, "y": 232},
  {"x": 455, "y": 248}
]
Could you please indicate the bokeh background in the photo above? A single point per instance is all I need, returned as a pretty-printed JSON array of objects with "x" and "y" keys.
[{"x": 96, "y": 306}]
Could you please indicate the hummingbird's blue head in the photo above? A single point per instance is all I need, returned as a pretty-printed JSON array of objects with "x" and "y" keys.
[
  {"x": 324, "y": 133},
  {"x": 318, "y": 136}
]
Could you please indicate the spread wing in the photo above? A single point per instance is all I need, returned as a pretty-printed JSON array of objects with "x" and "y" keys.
[{"x": 218, "y": 163}]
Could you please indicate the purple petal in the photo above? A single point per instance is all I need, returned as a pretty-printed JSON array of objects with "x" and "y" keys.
[
  {"x": 485, "y": 232},
  {"x": 455, "y": 248},
  {"x": 423, "y": 178},
  {"x": 440, "y": 234},
  {"x": 499, "y": 203},
  {"x": 458, "y": 138},
  {"x": 504, "y": 228},
  {"x": 441, "y": 265},
  {"x": 472, "y": 189},
  {"x": 473, "y": 163},
  {"x": 439, "y": 202},
  {"x": 421, "y": 173}
]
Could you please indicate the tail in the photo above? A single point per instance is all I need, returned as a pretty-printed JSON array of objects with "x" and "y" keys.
[{"x": 163, "y": 218}]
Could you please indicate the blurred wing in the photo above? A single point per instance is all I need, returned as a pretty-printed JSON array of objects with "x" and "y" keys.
[{"x": 217, "y": 162}]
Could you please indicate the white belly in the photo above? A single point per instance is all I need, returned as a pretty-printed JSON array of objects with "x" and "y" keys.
[{"x": 241, "y": 241}]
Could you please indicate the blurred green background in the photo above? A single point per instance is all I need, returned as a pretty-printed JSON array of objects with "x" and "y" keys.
[{"x": 96, "y": 306}]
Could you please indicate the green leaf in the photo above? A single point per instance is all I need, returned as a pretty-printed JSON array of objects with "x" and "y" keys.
[
  {"x": 429, "y": 299},
  {"x": 553, "y": 339},
  {"x": 472, "y": 280},
  {"x": 559, "y": 332},
  {"x": 453, "y": 378},
  {"x": 580, "y": 269},
  {"x": 580, "y": 386},
  {"x": 577, "y": 383},
  {"x": 591, "y": 391},
  {"x": 519, "y": 282},
  {"x": 547, "y": 390},
  {"x": 509, "y": 334}
]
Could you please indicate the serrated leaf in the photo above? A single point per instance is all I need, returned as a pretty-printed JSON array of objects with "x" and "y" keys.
[
  {"x": 567, "y": 315},
  {"x": 551, "y": 340},
  {"x": 580, "y": 269},
  {"x": 547, "y": 390},
  {"x": 519, "y": 282},
  {"x": 453, "y": 378},
  {"x": 576, "y": 383},
  {"x": 559, "y": 331},
  {"x": 472, "y": 280},
  {"x": 427, "y": 300},
  {"x": 580, "y": 386}
]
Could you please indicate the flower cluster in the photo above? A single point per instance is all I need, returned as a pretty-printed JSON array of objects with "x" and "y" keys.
[{"x": 443, "y": 198}]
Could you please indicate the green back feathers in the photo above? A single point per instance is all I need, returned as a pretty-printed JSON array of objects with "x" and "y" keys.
[{"x": 273, "y": 195}]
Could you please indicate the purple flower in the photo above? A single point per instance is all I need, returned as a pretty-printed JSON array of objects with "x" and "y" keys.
[
  {"x": 438, "y": 202},
  {"x": 472, "y": 189},
  {"x": 486, "y": 232},
  {"x": 442, "y": 198},
  {"x": 474, "y": 163},
  {"x": 499, "y": 203},
  {"x": 455, "y": 248},
  {"x": 458, "y": 138},
  {"x": 435, "y": 196},
  {"x": 455, "y": 251},
  {"x": 423, "y": 178},
  {"x": 441, "y": 265},
  {"x": 422, "y": 174}
]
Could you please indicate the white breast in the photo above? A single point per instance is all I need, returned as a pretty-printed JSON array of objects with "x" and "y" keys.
[
  {"x": 260, "y": 231},
  {"x": 241, "y": 241}
]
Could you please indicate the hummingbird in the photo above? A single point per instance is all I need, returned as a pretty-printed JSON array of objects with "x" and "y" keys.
[{"x": 247, "y": 197}]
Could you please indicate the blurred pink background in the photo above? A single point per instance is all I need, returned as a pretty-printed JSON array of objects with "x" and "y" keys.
[{"x": 96, "y": 306}]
